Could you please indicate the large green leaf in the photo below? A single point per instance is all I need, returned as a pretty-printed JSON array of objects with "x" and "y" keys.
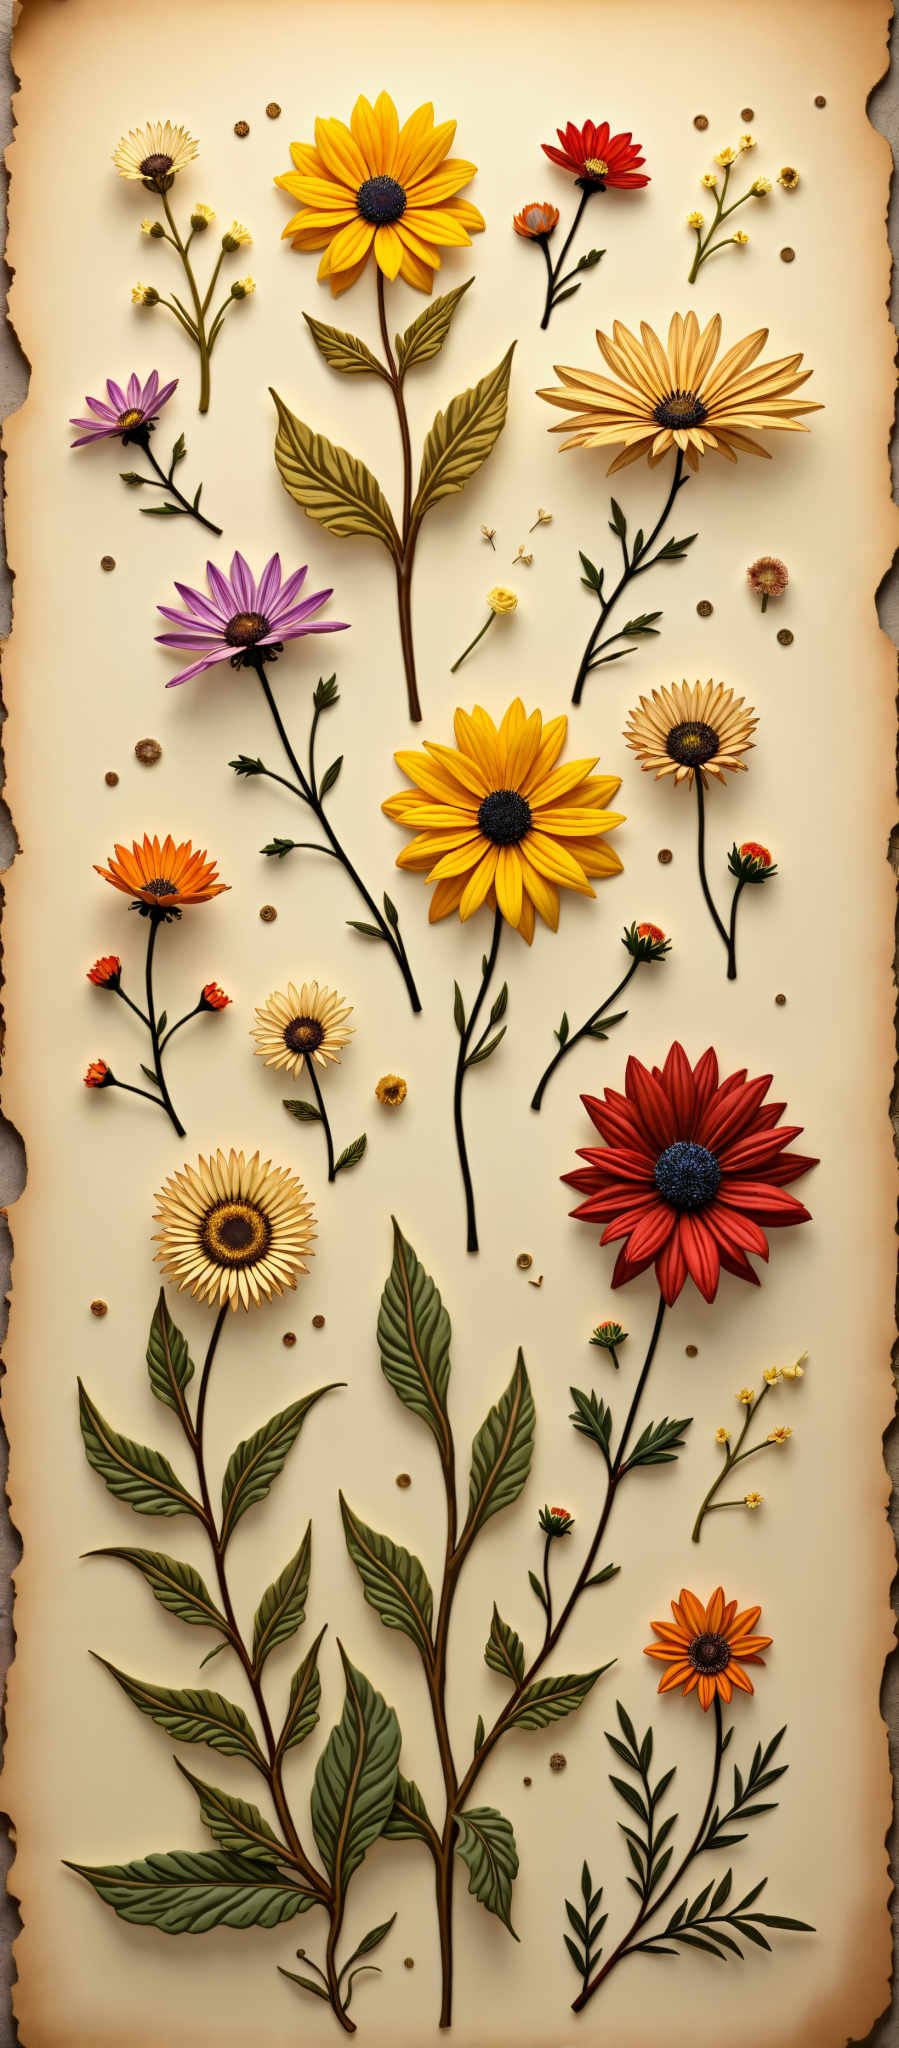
[
  {"x": 461, "y": 438},
  {"x": 305, "y": 1694},
  {"x": 236, "y": 1824},
  {"x": 408, "y": 1820},
  {"x": 501, "y": 1452},
  {"x": 169, "y": 1362},
  {"x": 331, "y": 485},
  {"x": 550, "y": 1699},
  {"x": 176, "y": 1585},
  {"x": 355, "y": 1778},
  {"x": 256, "y": 1462},
  {"x": 187, "y": 1891},
  {"x": 193, "y": 1715},
  {"x": 342, "y": 351},
  {"x": 504, "y": 1650},
  {"x": 133, "y": 1472},
  {"x": 427, "y": 334},
  {"x": 395, "y": 1582},
  {"x": 486, "y": 1844},
  {"x": 282, "y": 1609},
  {"x": 414, "y": 1339}
]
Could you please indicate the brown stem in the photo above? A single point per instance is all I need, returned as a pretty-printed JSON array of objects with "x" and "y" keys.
[
  {"x": 445, "y": 1874},
  {"x": 408, "y": 533}
]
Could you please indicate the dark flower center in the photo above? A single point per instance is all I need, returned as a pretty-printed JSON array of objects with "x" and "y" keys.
[
  {"x": 303, "y": 1034},
  {"x": 680, "y": 409},
  {"x": 691, "y": 743},
  {"x": 709, "y": 1654},
  {"x": 160, "y": 887},
  {"x": 156, "y": 166},
  {"x": 235, "y": 1234},
  {"x": 245, "y": 629},
  {"x": 381, "y": 201},
  {"x": 132, "y": 418},
  {"x": 504, "y": 817},
  {"x": 687, "y": 1175}
]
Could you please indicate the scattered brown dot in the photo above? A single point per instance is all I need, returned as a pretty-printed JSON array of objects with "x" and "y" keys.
[
  {"x": 99, "y": 1308},
  {"x": 524, "y": 1262},
  {"x": 107, "y": 562},
  {"x": 785, "y": 637},
  {"x": 289, "y": 1338},
  {"x": 665, "y": 856},
  {"x": 268, "y": 913},
  {"x": 527, "y": 1781},
  {"x": 700, "y": 121},
  {"x": 788, "y": 255},
  {"x": 780, "y": 1000},
  {"x": 148, "y": 751},
  {"x": 110, "y": 778},
  {"x": 747, "y": 113},
  {"x": 408, "y": 1962},
  {"x": 404, "y": 1479},
  {"x": 705, "y": 608},
  {"x": 318, "y": 1322},
  {"x": 820, "y": 100},
  {"x": 536, "y": 1283},
  {"x": 692, "y": 1350},
  {"x": 273, "y": 110},
  {"x": 557, "y": 1761},
  {"x": 241, "y": 128}
]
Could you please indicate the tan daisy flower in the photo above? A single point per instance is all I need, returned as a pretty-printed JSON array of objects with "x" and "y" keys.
[
  {"x": 305, "y": 1024},
  {"x": 691, "y": 728},
  {"x": 234, "y": 1230},
  {"x": 154, "y": 154},
  {"x": 679, "y": 396}
]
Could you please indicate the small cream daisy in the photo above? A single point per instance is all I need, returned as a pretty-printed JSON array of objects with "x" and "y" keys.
[
  {"x": 236, "y": 236},
  {"x": 771, "y": 1374},
  {"x": 741, "y": 238},
  {"x": 710, "y": 180},
  {"x": 305, "y": 1024},
  {"x": 234, "y": 1230},
  {"x": 726, "y": 157},
  {"x": 154, "y": 154},
  {"x": 746, "y": 1395},
  {"x": 695, "y": 220}
]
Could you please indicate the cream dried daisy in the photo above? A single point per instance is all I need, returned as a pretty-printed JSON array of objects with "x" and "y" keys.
[
  {"x": 305, "y": 1024},
  {"x": 688, "y": 730},
  {"x": 236, "y": 1231},
  {"x": 155, "y": 153}
]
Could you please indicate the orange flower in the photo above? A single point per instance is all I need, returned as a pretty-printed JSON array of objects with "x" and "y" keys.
[
  {"x": 707, "y": 1647},
  {"x": 164, "y": 876},
  {"x": 214, "y": 998},
  {"x": 536, "y": 219},
  {"x": 752, "y": 849},
  {"x": 650, "y": 931},
  {"x": 98, "y": 1075},
  {"x": 106, "y": 971}
]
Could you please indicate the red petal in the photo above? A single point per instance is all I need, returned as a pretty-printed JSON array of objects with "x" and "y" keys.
[
  {"x": 705, "y": 1080},
  {"x": 651, "y": 1103},
  {"x": 734, "y": 1232},
  {"x": 758, "y": 1149},
  {"x": 671, "y": 1269},
  {"x": 769, "y": 1204},
  {"x": 789, "y": 1168},
  {"x": 701, "y": 1254},
  {"x": 626, "y": 1270},
  {"x": 734, "y": 1113},
  {"x": 679, "y": 1086},
  {"x": 651, "y": 1231}
]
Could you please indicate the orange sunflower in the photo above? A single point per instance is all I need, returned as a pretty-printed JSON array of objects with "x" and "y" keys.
[
  {"x": 497, "y": 821},
  {"x": 376, "y": 184},
  {"x": 165, "y": 876},
  {"x": 707, "y": 1647}
]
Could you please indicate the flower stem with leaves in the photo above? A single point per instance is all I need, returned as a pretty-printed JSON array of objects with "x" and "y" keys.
[
  {"x": 202, "y": 327},
  {"x": 636, "y": 559},
  {"x": 471, "y": 1052},
  {"x": 643, "y": 943},
  {"x": 747, "y": 863},
  {"x": 706, "y": 245},
  {"x": 559, "y": 286},
  {"x": 315, "y": 1112},
  {"x": 735, "y": 1453},
  {"x": 174, "y": 504}
]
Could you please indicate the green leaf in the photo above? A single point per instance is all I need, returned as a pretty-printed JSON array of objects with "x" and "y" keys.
[
  {"x": 351, "y": 1154},
  {"x": 560, "y": 297},
  {"x": 305, "y": 1694},
  {"x": 192, "y": 1715},
  {"x": 305, "y": 1112},
  {"x": 674, "y": 550},
  {"x": 500, "y": 1005},
  {"x": 394, "y": 1582},
  {"x": 390, "y": 911},
  {"x": 325, "y": 693},
  {"x": 592, "y": 576},
  {"x": 501, "y": 1451},
  {"x": 355, "y": 1778},
  {"x": 479, "y": 1734},
  {"x": 161, "y": 1022},
  {"x": 235, "y": 1824},
  {"x": 248, "y": 764},
  {"x": 550, "y": 1699},
  {"x": 504, "y": 1651},
  {"x": 486, "y": 1845},
  {"x": 609, "y": 1571},
  {"x": 307, "y": 1983},
  {"x": 169, "y": 1362},
  {"x": 414, "y": 1339},
  {"x": 369, "y": 1942},
  {"x": 591, "y": 259},
  {"x": 133, "y": 1472},
  {"x": 458, "y": 1009},
  {"x": 408, "y": 1819},
  {"x": 344, "y": 352},
  {"x": 483, "y": 1051},
  {"x": 564, "y": 1028},
  {"x": 371, "y": 931},
  {"x": 592, "y": 1418},
  {"x": 282, "y": 1609},
  {"x": 176, "y": 1585},
  {"x": 618, "y": 521},
  {"x": 130, "y": 476},
  {"x": 537, "y": 1588},
  {"x": 256, "y": 1462},
  {"x": 330, "y": 776},
  {"x": 658, "y": 1443},
  {"x": 330, "y": 485},
  {"x": 165, "y": 510},
  {"x": 642, "y": 627},
  {"x": 426, "y": 336},
  {"x": 187, "y": 1891},
  {"x": 178, "y": 452},
  {"x": 461, "y": 439},
  {"x": 148, "y": 1074}
]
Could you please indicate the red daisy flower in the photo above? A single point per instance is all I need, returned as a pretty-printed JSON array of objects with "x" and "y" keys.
[
  {"x": 597, "y": 156},
  {"x": 691, "y": 1170}
]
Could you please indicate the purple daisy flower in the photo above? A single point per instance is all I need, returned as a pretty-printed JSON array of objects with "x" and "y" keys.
[
  {"x": 241, "y": 616},
  {"x": 128, "y": 415}
]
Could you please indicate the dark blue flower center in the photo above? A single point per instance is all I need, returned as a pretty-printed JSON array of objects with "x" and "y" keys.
[
  {"x": 381, "y": 201},
  {"x": 691, "y": 743},
  {"x": 504, "y": 817},
  {"x": 687, "y": 1175}
]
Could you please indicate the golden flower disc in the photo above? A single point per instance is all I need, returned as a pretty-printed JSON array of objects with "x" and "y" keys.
[
  {"x": 691, "y": 729},
  {"x": 234, "y": 1230}
]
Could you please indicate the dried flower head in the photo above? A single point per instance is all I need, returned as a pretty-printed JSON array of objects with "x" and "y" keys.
[
  {"x": 695, "y": 220},
  {"x": 780, "y": 1434},
  {"x": 759, "y": 187},
  {"x": 212, "y": 997},
  {"x": 746, "y": 1395},
  {"x": 722, "y": 1436},
  {"x": 646, "y": 941},
  {"x": 726, "y": 157},
  {"x": 200, "y": 217},
  {"x": 771, "y": 1374},
  {"x": 788, "y": 178},
  {"x": 144, "y": 295},
  {"x": 768, "y": 577},
  {"x": 99, "y": 1075},
  {"x": 709, "y": 180},
  {"x": 391, "y": 1090},
  {"x": 747, "y": 142},
  {"x": 236, "y": 237},
  {"x": 502, "y": 600},
  {"x": 536, "y": 221},
  {"x": 741, "y": 238},
  {"x": 243, "y": 287},
  {"x": 608, "y": 1336},
  {"x": 797, "y": 1371},
  {"x": 555, "y": 1521}
]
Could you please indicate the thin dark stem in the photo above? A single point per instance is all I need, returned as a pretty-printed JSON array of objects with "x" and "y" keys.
[
  {"x": 131, "y": 1090},
  {"x": 465, "y": 1038},
  {"x": 168, "y": 484},
  {"x": 408, "y": 532},
  {"x": 732, "y": 935},
  {"x": 156, "y": 919},
  {"x": 720, "y": 928},
  {"x": 547, "y": 1547},
  {"x": 555, "y": 269},
  {"x": 576, "y": 1036},
  {"x": 134, "y": 1006},
  {"x": 323, "y": 1115},
  {"x": 635, "y": 565},
  {"x": 473, "y": 643},
  {"x": 188, "y": 1014}
]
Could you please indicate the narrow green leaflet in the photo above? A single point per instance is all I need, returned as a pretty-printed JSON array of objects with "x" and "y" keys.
[
  {"x": 394, "y": 1582},
  {"x": 427, "y": 334},
  {"x": 550, "y": 1699},
  {"x": 414, "y": 1339},
  {"x": 592, "y": 1418},
  {"x": 501, "y": 1452},
  {"x": 408, "y": 1820},
  {"x": 187, "y": 1891},
  {"x": 659, "y": 1443},
  {"x": 305, "y": 1694},
  {"x": 305, "y": 1112},
  {"x": 586, "y": 1926},
  {"x": 504, "y": 1651},
  {"x": 355, "y": 1778},
  {"x": 133, "y": 1472},
  {"x": 176, "y": 1585},
  {"x": 461, "y": 438},
  {"x": 193, "y": 1715},
  {"x": 331, "y": 485},
  {"x": 486, "y": 1845},
  {"x": 342, "y": 351},
  {"x": 351, "y": 1154},
  {"x": 235, "y": 1824},
  {"x": 282, "y": 1609},
  {"x": 256, "y": 1462},
  {"x": 169, "y": 1362}
]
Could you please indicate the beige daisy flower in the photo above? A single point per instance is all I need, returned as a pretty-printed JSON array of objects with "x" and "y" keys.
[
  {"x": 680, "y": 396},
  {"x": 234, "y": 1230},
  {"x": 689, "y": 729},
  {"x": 154, "y": 154},
  {"x": 305, "y": 1024}
]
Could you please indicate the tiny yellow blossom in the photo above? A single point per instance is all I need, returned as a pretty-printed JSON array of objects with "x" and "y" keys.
[
  {"x": 152, "y": 227},
  {"x": 489, "y": 533},
  {"x": 243, "y": 287},
  {"x": 780, "y": 1434},
  {"x": 752, "y": 1500},
  {"x": 522, "y": 556},
  {"x": 391, "y": 1090},
  {"x": 771, "y": 1374},
  {"x": 747, "y": 142},
  {"x": 741, "y": 238},
  {"x": 710, "y": 180},
  {"x": 200, "y": 216},
  {"x": 236, "y": 237},
  {"x": 746, "y": 1395},
  {"x": 726, "y": 157},
  {"x": 722, "y": 1436},
  {"x": 797, "y": 1371},
  {"x": 788, "y": 178},
  {"x": 759, "y": 187},
  {"x": 502, "y": 600},
  {"x": 695, "y": 220},
  {"x": 144, "y": 295}
]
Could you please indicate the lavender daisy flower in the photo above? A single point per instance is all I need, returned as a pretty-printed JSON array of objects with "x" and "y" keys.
[
  {"x": 128, "y": 415},
  {"x": 244, "y": 622}
]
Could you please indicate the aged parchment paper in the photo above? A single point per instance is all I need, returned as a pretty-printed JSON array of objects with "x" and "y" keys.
[{"x": 83, "y": 681}]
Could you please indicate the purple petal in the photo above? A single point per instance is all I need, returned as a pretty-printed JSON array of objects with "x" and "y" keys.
[
  {"x": 163, "y": 396},
  {"x": 95, "y": 434},
  {"x": 300, "y": 611},
  {"x": 267, "y": 595},
  {"x": 201, "y": 605},
  {"x": 117, "y": 398},
  {"x": 196, "y": 668},
  {"x": 243, "y": 583},
  {"x": 199, "y": 639},
  {"x": 148, "y": 394},
  {"x": 133, "y": 393},
  {"x": 310, "y": 626},
  {"x": 102, "y": 410},
  {"x": 221, "y": 589},
  {"x": 290, "y": 590}
]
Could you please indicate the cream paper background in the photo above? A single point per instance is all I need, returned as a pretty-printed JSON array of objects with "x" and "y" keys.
[{"x": 88, "y": 1777}]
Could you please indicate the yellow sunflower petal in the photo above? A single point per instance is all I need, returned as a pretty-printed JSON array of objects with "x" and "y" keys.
[
  {"x": 508, "y": 884},
  {"x": 478, "y": 883},
  {"x": 340, "y": 153}
]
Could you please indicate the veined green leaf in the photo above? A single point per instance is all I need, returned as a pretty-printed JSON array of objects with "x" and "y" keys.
[
  {"x": 169, "y": 1362},
  {"x": 408, "y": 1819},
  {"x": 282, "y": 1609},
  {"x": 305, "y": 1694},
  {"x": 256, "y": 1462},
  {"x": 235, "y": 1824},
  {"x": 342, "y": 351},
  {"x": 331, "y": 485},
  {"x": 187, "y": 1891},
  {"x": 414, "y": 1339},
  {"x": 355, "y": 1778},
  {"x": 504, "y": 1651},
  {"x": 486, "y": 1845},
  {"x": 394, "y": 1582},
  {"x": 461, "y": 438},
  {"x": 177, "y": 1585},
  {"x": 192, "y": 1715},
  {"x": 550, "y": 1699},
  {"x": 427, "y": 334},
  {"x": 133, "y": 1472},
  {"x": 501, "y": 1451}
]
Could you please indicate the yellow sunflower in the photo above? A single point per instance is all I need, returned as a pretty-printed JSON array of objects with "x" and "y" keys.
[
  {"x": 496, "y": 821},
  {"x": 688, "y": 730},
  {"x": 377, "y": 184},
  {"x": 680, "y": 396},
  {"x": 305, "y": 1024},
  {"x": 155, "y": 153},
  {"x": 234, "y": 1229}
]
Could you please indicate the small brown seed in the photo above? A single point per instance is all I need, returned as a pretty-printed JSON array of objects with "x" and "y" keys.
[
  {"x": 524, "y": 1262},
  {"x": 289, "y": 1338},
  {"x": 747, "y": 113},
  {"x": 700, "y": 121},
  {"x": 665, "y": 856},
  {"x": 107, "y": 562},
  {"x": 788, "y": 255},
  {"x": 527, "y": 1781},
  {"x": 692, "y": 1350},
  {"x": 557, "y": 1761},
  {"x": 704, "y": 608},
  {"x": 318, "y": 1322},
  {"x": 241, "y": 128},
  {"x": 110, "y": 778},
  {"x": 780, "y": 1000},
  {"x": 273, "y": 110},
  {"x": 148, "y": 751},
  {"x": 268, "y": 913},
  {"x": 403, "y": 1479},
  {"x": 785, "y": 637},
  {"x": 408, "y": 1962},
  {"x": 99, "y": 1308},
  {"x": 820, "y": 100}
]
